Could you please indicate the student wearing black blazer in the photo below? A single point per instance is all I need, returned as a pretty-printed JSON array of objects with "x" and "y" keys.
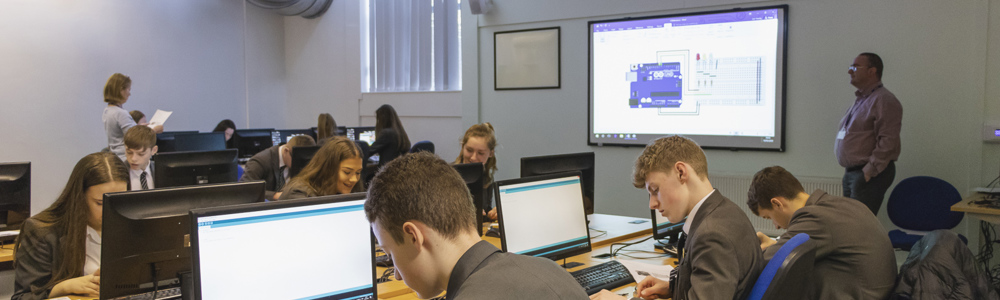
[
  {"x": 58, "y": 252},
  {"x": 391, "y": 140}
]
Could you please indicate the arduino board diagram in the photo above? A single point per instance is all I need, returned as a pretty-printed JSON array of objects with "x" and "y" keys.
[{"x": 670, "y": 86}]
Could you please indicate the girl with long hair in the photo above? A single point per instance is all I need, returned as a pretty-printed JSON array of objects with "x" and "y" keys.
[
  {"x": 334, "y": 169},
  {"x": 58, "y": 252}
]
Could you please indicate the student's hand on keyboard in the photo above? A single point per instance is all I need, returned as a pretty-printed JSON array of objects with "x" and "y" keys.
[
  {"x": 653, "y": 288},
  {"x": 606, "y": 295}
]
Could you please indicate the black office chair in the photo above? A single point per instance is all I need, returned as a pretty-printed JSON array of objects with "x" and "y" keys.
[
  {"x": 786, "y": 276},
  {"x": 422, "y": 146}
]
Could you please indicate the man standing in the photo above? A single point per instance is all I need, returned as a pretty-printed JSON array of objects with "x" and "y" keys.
[{"x": 867, "y": 143}]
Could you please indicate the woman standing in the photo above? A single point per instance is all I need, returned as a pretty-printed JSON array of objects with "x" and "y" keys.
[{"x": 116, "y": 119}]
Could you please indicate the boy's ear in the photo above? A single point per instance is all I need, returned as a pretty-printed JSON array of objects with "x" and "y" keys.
[{"x": 154, "y": 149}]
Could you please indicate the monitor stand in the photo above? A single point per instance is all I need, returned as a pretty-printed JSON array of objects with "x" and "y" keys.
[
  {"x": 570, "y": 265},
  {"x": 670, "y": 248}
]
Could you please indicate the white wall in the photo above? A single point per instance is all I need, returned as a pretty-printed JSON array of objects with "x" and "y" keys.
[
  {"x": 934, "y": 53},
  {"x": 206, "y": 60},
  {"x": 323, "y": 61}
]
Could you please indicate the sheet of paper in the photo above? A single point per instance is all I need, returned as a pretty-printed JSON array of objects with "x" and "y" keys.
[
  {"x": 160, "y": 117},
  {"x": 640, "y": 270}
]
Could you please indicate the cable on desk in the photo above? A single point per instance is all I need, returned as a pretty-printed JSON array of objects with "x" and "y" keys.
[
  {"x": 624, "y": 245},
  {"x": 385, "y": 275},
  {"x": 603, "y": 233},
  {"x": 986, "y": 253}
]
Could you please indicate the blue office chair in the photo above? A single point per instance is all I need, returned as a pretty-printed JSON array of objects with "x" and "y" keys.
[
  {"x": 921, "y": 204},
  {"x": 239, "y": 172},
  {"x": 786, "y": 276},
  {"x": 422, "y": 146}
]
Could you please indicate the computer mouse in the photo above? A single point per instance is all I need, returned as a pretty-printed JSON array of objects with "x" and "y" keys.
[{"x": 494, "y": 232}]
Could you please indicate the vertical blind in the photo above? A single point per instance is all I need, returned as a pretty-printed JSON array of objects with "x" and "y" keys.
[{"x": 412, "y": 46}]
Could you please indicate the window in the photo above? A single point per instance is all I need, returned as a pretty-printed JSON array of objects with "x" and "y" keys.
[{"x": 411, "y": 46}]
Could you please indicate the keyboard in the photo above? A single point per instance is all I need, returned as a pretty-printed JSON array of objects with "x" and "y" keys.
[
  {"x": 164, "y": 294},
  {"x": 607, "y": 275},
  {"x": 383, "y": 261}
]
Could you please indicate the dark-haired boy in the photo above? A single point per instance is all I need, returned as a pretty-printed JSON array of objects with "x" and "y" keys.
[
  {"x": 854, "y": 257},
  {"x": 423, "y": 217}
]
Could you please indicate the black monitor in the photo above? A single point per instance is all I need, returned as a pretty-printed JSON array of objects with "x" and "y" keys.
[
  {"x": 191, "y": 142},
  {"x": 314, "y": 261},
  {"x": 663, "y": 229},
  {"x": 341, "y": 131},
  {"x": 145, "y": 243},
  {"x": 281, "y": 137},
  {"x": 583, "y": 162},
  {"x": 300, "y": 158},
  {"x": 543, "y": 216},
  {"x": 194, "y": 167},
  {"x": 361, "y": 133},
  {"x": 252, "y": 141},
  {"x": 472, "y": 174},
  {"x": 165, "y": 140},
  {"x": 15, "y": 194}
]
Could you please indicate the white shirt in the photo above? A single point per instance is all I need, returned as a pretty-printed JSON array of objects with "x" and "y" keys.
[
  {"x": 93, "y": 262},
  {"x": 281, "y": 162},
  {"x": 136, "y": 184},
  {"x": 690, "y": 217}
]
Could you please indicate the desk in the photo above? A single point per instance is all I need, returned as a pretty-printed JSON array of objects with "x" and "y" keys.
[
  {"x": 987, "y": 214},
  {"x": 585, "y": 258},
  {"x": 618, "y": 229}
]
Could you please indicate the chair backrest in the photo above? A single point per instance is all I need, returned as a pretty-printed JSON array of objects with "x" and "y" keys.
[
  {"x": 786, "y": 276},
  {"x": 422, "y": 146},
  {"x": 924, "y": 203}
]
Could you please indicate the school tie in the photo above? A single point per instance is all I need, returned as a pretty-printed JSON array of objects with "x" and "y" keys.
[
  {"x": 280, "y": 181},
  {"x": 142, "y": 179},
  {"x": 680, "y": 245}
]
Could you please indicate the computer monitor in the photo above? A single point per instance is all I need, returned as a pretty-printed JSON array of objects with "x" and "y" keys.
[
  {"x": 191, "y": 142},
  {"x": 543, "y": 216},
  {"x": 145, "y": 241},
  {"x": 326, "y": 250},
  {"x": 279, "y": 137},
  {"x": 194, "y": 167},
  {"x": 583, "y": 162},
  {"x": 165, "y": 140},
  {"x": 300, "y": 158},
  {"x": 472, "y": 174},
  {"x": 663, "y": 229},
  {"x": 15, "y": 194},
  {"x": 252, "y": 141},
  {"x": 341, "y": 131},
  {"x": 362, "y": 133}
]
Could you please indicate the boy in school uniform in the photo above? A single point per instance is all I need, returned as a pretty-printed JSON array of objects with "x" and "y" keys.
[
  {"x": 854, "y": 257},
  {"x": 140, "y": 145},
  {"x": 720, "y": 256},
  {"x": 422, "y": 215},
  {"x": 272, "y": 164}
]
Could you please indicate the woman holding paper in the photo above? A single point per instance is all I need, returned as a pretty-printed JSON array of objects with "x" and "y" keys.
[{"x": 116, "y": 119}]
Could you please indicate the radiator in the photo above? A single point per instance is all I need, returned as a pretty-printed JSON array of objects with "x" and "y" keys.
[{"x": 735, "y": 188}]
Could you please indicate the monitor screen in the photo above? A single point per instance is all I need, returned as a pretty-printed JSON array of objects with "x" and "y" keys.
[
  {"x": 145, "y": 234},
  {"x": 715, "y": 77},
  {"x": 549, "y": 164},
  {"x": 194, "y": 167},
  {"x": 662, "y": 228},
  {"x": 472, "y": 174},
  {"x": 15, "y": 194},
  {"x": 252, "y": 141},
  {"x": 543, "y": 216},
  {"x": 315, "y": 262}
]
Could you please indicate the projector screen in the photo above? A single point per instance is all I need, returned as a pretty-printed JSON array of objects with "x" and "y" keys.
[{"x": 715, "y": 77}]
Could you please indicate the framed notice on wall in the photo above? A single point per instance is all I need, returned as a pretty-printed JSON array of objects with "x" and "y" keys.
[{"x": 526, "y": 59}]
